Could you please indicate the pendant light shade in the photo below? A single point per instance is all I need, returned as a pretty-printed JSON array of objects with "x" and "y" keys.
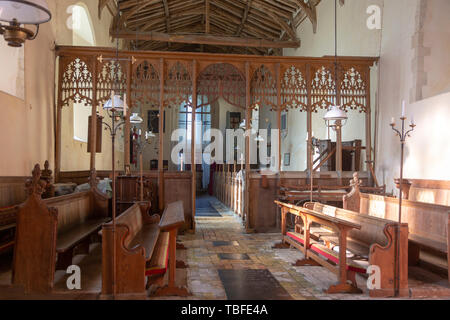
[
  {"x": 335, "y": 114},
  {"x": 116, "y": 102},
  {"x": 136, "y": 119},
  {"x": 24, "y": 11}
]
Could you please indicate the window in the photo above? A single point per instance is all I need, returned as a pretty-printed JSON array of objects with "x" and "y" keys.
[{"x": 82, "y": 35}]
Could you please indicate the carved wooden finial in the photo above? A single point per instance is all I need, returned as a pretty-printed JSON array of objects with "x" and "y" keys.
[
  {"x": 35, "y": 185},
  {"x": 355, "y": 183}
]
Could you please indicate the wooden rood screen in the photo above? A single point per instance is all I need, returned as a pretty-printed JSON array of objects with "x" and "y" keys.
[{"x": 167, "y": 79}]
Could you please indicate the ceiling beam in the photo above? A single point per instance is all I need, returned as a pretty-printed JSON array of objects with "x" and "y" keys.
[
  {"x": 166, "y": 12},
  {"x": 205, "y": 39},
  {"x": 207, "y": 16},
  {"x": 244, "y": 18},
  {"x": 310, "y": 11}
]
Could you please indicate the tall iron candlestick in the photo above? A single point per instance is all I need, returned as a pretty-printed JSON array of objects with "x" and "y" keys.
[
  {"x": 113, "y": 129},
  {"x": 403, "y": 134}
]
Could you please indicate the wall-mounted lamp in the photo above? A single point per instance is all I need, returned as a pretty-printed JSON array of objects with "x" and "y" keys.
[{"x": 18, "y": 13}]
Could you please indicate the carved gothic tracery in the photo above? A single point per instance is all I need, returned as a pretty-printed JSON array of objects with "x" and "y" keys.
[
  {"x": 112, "y": 75},
  {"x": 294, "y": 92},
  {"x": 353, "y": 91},
  {"x": 221, "y": 80},
  {"x": 264, "y": 89},
  {"x": 145, "y": 86},
  {"x": 323, "y": 89},
  {"x": 178, "y": 86},
  {"x": 76, "y": 83}
]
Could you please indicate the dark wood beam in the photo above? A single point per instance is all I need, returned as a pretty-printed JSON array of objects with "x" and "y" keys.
[
  {"x": 207, "y": 16},
  {"x": 244, "y": 18},
  {"x": 205, "y": 39},
  {"x": 166, "y": 12}
]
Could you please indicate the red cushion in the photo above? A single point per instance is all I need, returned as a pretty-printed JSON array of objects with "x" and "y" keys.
[
  {"x": 333, "y": 256},
  {"x": 296, "y": 237}
]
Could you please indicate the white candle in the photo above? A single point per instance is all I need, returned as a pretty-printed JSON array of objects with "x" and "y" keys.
[
  {"x": 125, "y": 105},
  {"x": 392, "y": 120},
  {"x": 112, "y": 99},
  {"x": 140, "y": 132},
  {"x": 307, "y": 136},
  {"x": 403, "y": 109},
  {"x": 412, "y": 120}
]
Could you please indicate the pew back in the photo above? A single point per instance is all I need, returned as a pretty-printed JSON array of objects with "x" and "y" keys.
[
  {"x": 372, "y": 228},
  {"x": 428, "y": 223}
]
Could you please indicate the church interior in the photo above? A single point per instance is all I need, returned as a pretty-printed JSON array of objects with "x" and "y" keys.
[{"x": 225, "y": 150}]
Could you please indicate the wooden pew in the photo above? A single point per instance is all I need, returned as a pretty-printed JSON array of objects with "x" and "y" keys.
[
  {"x": 12, "y": 194},
  {"x": 371, "y": 242},
  {"x": 49, "y": 230},
  {"x": 429, "y": 224},
  {"x": 144, "y": 244}
]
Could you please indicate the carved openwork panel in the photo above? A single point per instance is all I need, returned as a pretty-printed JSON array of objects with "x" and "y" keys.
[
  {"x": 76, "y": 81},
  {"x": 221, "y": 80},
  {"x": 264, "y": 89},
  {"x": 353, "y": 91},
  {"x": 145, "y": 85},
  {"x": 112, "y": 75},
  {"x": 323, "y": 89},
  {"x": 177, "y": 86},
  {"x": 294, "y": 91}
]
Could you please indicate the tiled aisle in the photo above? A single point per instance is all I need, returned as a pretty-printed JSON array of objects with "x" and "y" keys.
[{"x": 203, "y": 258}]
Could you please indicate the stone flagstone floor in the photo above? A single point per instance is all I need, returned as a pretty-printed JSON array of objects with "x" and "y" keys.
[{"x": 302, "y": 283}]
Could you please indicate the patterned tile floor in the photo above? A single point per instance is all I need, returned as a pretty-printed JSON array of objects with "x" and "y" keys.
[{"x": 302, "y": 283}]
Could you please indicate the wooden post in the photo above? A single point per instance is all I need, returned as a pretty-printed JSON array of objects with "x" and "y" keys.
[
  {"x": 58, "y": 107},
  {"x": 193, "y": 164},
  {"x": 309, "y": 148},
  {"x": 343, "y": 256},
  {"x": 283, "y": 220},
  {"x": 161, "y": 135},
  {"x": 127, "y": 126},
  {"x": 369, "y": 129},
  {"x": 172, "y": 257},
  {"x": 248, "y": 116},
  {"x": 93, "y": 132},
  {"x": 278, "y": 75}
]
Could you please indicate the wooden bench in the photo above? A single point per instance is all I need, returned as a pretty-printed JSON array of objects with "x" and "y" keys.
[
  {"x": 353, "y": 243},
  {"x": 49, "y": 230},
  {"x": 144, "y": 244},
  {"x": 12, "y": 194},
  {"x": 429, "y": 224}
]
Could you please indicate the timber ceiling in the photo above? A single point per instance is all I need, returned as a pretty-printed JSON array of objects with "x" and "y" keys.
[{"x": 261, "y": 27}]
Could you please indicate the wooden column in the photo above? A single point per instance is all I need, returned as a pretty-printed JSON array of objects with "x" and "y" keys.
[
  {"x": 309, "y": 156},
  {"x": 93, "y": 136},
  {"x": 369, "y": 127},
  {"x": 248, "y": 116},
  {"x": 338, "y": 129},
  {"x": 278, "y": 71},
  {"x": 193, "y": 164},
  {"x": 161, "y": 135},
  {"x": 127, "y": 126},
  {"x": 58, "y": 107}
]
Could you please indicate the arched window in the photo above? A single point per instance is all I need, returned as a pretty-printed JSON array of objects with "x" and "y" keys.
[{"x": 82, "y": 35}]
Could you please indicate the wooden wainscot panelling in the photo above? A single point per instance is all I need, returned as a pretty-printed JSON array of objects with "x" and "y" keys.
[
  {"x": 428, "y": 223},
  {"x": 12, "y": 191},
  {"x": 430, "y": 191},
  {"x": 263, "y": 210},
  {"x": 178, "y": 187}
]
